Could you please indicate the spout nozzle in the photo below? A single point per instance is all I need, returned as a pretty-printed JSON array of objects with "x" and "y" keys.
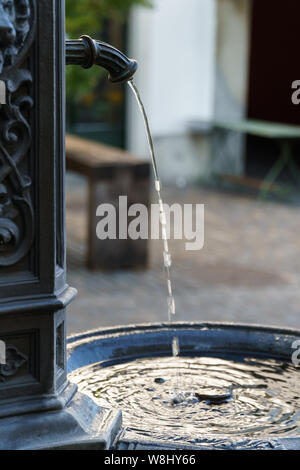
[
  {"x": 126, "y": 74},
  {"x": 87, "y": 52}
]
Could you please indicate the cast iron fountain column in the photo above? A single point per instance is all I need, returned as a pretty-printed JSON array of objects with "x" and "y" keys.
[{"x": 39, "y": 408}]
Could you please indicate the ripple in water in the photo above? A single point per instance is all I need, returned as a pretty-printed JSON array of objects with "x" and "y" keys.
[{"x": 249, "y": 398}]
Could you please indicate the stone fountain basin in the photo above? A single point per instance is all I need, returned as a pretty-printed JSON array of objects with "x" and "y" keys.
[{"x": 109, "y": 346}]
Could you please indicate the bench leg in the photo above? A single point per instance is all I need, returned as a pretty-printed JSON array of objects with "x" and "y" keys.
[
  {"x": 294, "y": 170},
  {"x": 283, "y": 160},
  {"x": 119, "y": 253}
]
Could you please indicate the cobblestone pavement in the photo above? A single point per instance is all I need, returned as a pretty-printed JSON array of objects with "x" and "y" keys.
[{"x": 248, "y": 270}]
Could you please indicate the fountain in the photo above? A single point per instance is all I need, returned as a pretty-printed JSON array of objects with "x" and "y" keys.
[
  {"x": 240, "y": 387},
  {"x": 241, "y": 390}
]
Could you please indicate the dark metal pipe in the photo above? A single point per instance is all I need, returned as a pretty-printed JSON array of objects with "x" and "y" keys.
[{"x": 87, "y": 52}]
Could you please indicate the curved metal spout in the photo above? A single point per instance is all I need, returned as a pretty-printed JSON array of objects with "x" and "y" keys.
[{"x": 87, "y": 52}]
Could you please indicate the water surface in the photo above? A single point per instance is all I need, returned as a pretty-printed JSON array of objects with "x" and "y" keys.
[{"x": 251, "y": 398}]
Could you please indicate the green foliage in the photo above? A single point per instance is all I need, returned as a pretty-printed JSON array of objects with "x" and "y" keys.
[{"x": 87, "y": 17}]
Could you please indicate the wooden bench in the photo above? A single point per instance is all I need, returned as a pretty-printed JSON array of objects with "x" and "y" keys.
[{"x": 111, "y": 173}]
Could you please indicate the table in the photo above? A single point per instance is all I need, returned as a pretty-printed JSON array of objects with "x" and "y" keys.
[{"x": 284, "y": 134}]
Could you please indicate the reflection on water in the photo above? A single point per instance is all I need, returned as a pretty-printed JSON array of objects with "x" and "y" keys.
[{"x": 218, "y": 398}]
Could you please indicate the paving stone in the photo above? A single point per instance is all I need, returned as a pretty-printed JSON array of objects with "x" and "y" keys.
[{"x": 248, "y": 270}]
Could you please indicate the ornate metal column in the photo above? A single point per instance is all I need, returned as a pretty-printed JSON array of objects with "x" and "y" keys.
[{"x": 39, "y": 408}]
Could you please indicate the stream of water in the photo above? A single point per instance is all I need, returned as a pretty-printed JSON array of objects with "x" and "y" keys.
[{"x": 163, "y": 220}]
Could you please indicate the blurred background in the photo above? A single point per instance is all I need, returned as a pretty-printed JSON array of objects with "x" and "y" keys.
[{"x": 211, "y": 74}]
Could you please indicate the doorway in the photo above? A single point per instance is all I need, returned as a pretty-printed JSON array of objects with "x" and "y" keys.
[{"x": 274, "y": 65}]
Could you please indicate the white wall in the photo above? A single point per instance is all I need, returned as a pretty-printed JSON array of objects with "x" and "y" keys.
[
  {"x": 232, "y": 70},
  {"x": 174, "y": 44}
]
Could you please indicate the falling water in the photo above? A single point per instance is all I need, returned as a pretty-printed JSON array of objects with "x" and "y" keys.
[{"x": 163, "y": 219}]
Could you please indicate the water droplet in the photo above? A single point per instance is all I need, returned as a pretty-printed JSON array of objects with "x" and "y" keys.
[
  {"x": 163, "y": 219},
  {"x": 167, "y": 261},
  {"x": 161, "y": 206},
  {"x": 175, "y": 346},
  {"x": 164, "y": 234},
  {"x": 171, "y": 305}
]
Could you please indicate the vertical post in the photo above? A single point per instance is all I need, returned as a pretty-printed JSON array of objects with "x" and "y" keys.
[{"x": 33, "y": 290}]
